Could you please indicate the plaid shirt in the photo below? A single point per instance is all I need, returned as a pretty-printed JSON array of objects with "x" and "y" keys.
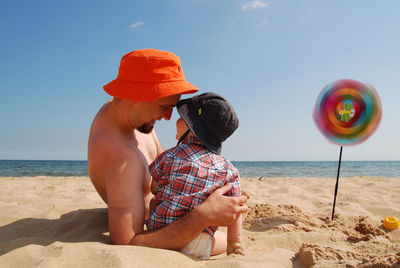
[{"x": 186, "y": 175}]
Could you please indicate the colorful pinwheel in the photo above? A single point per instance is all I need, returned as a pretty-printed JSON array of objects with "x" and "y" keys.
[{"x": 347, "y": 112}]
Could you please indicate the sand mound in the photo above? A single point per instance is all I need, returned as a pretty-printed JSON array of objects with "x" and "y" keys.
[{"x": 362, "y": 243}]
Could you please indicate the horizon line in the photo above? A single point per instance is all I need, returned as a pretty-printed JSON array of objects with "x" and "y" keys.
[{"x": 229, "y": 160}]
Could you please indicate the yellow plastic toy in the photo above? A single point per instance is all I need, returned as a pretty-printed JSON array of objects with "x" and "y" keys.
[{"x": 391, "y": 223}]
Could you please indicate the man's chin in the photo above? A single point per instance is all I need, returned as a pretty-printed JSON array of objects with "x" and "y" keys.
[{"x": 146, "y": 128}]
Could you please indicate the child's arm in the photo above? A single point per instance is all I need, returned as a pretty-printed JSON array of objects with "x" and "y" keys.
[
  {"x": 234, "y": 232},
  {"x": 153, "y": 186},
  {"x": 153, "y": 202}
]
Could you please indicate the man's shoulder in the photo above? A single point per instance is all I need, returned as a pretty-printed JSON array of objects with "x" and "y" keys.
[
  {"x": 112, "y": 151},
  {"x": 121, "y": 163}
]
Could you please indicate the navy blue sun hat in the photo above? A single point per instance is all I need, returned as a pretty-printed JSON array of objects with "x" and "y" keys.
[{"x": 210, "y": 117}]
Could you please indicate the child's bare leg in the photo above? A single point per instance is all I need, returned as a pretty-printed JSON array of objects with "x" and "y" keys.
[
  {"x": 234, "y": 232},
  {"x": 218, "y": 243}
]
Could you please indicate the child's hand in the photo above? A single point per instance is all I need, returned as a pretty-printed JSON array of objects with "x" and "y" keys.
[
  {"x": 235, "y": 248},
  {"x": 153, "y": 204}
]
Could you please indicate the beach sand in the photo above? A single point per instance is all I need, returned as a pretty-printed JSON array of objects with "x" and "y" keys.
[{"x": 62, "y": 222}]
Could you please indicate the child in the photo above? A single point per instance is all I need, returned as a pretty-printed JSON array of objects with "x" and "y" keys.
[{"x": 184, "y": 176}]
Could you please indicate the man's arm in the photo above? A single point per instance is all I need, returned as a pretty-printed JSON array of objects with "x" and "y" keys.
[
  {"x": 217, "y": 210},
  {"x": 125, "y": 198},
  {"x": 126, "y": 212}
]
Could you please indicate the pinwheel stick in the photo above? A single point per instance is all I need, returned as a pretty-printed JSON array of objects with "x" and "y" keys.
[{"x": 337, "y": 182}]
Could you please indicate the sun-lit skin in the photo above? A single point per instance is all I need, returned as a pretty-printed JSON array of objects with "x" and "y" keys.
[
  {"x": 181, "y": 128},
  {"x": 156, "y": 110},
  {"x": 152, "y": 111}
]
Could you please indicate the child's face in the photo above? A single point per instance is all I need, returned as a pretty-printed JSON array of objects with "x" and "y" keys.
[{"x": 181, "y": 128}]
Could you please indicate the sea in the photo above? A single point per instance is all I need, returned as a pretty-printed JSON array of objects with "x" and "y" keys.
[{"x": 294, "y": 169}]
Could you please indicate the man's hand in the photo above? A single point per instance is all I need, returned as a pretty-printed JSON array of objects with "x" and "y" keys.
[{"x": 220, "y": 210}]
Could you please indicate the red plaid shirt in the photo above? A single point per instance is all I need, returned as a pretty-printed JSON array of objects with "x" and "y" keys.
[{"x": 186, "y": 175}]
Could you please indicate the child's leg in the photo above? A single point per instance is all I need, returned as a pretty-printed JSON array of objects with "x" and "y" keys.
[
  {"x": 234, "y": 233},
  {"x": 218, "y": 243}
]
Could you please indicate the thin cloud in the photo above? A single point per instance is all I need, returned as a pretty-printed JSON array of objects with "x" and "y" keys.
[
  {"x": 137, "y": 24},
  {"x": 254, "y": 5},
  {"x": 265, "y": 21}
]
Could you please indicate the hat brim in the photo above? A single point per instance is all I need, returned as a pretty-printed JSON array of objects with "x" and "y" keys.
[
  {"x": 189, "y": 114},
  {"x": 144, "y": 91}
]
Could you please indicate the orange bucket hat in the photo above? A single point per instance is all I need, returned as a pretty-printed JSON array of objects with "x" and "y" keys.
[{"x": 148, "y": 75}]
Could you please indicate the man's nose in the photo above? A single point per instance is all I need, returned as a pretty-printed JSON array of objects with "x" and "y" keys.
[{"x": 168, "y": 114}]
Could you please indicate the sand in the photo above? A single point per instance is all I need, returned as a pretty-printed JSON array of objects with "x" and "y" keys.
[{"x": 62, "y": 222}]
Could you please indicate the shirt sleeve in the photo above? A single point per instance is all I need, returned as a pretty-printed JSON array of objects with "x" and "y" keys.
[
  {"x": 235, "y": 182},
  {"x": 160, "y": 166}
]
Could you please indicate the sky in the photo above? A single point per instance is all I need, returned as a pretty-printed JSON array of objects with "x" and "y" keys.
[{"x": 270, "y": 59}]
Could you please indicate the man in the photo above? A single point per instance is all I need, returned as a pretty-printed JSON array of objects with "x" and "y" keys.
[{"x": 122, "y": 143}]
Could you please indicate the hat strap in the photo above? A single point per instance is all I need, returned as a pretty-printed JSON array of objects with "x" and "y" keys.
[{"x": 183, "y": 136}]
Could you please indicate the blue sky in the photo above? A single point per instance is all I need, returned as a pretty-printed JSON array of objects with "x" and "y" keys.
[{"x": 270, "y": 59}]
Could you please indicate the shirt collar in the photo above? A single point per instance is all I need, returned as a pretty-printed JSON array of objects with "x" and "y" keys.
[{"x": 189, "y": 140}]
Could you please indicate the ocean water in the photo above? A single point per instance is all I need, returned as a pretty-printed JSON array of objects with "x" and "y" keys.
[
  {"x": 320, "y": 169},
  {"x": 32, "y": 168},
  {"x": 323, "y": 169}
]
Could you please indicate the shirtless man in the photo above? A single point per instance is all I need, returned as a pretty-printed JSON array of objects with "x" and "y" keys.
[{"x": 122, "y": 143}]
